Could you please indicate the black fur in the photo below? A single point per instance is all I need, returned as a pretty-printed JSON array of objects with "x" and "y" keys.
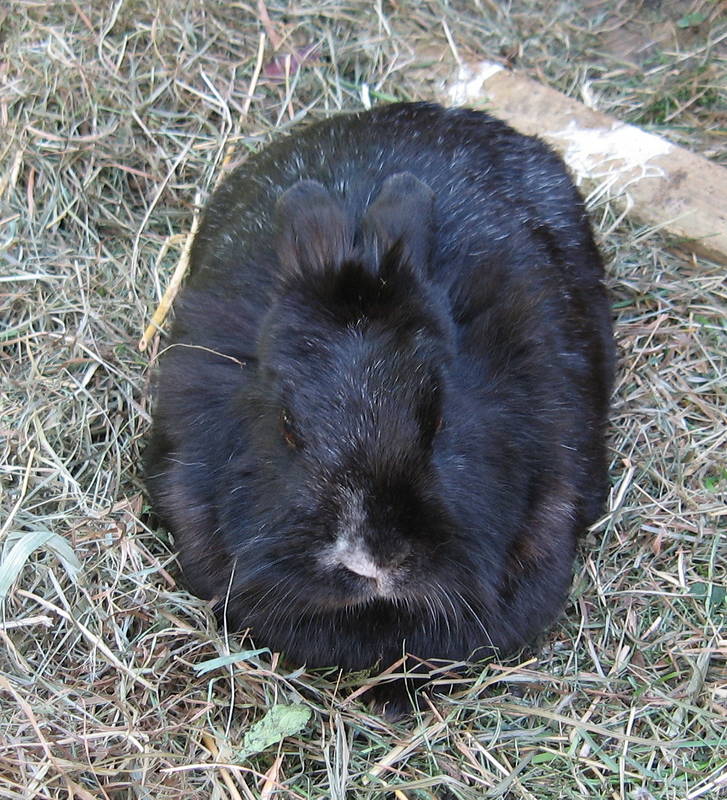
[{"x": 395, "y": 334}]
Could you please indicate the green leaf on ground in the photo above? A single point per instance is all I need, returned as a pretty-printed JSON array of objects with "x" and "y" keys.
[{"x": 279, "y": 723}]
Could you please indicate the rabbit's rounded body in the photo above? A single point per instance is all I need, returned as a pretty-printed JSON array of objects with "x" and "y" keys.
[{"x": 380, "y": 425}]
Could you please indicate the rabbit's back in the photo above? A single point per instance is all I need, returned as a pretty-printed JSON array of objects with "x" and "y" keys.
[{"x": 490, "y": 182}]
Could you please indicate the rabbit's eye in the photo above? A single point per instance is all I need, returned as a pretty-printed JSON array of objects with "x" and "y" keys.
[{"x": 288, "y": 430}]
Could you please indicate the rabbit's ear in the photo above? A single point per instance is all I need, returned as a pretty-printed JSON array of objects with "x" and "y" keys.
[
  {"x": 400, "y": 219},
  {"x": 312, "y": 233}
]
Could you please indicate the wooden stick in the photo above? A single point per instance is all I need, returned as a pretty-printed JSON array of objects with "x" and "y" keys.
[
  {"x": 659, "y": 183},
  {"x": 171, "y": 291}
]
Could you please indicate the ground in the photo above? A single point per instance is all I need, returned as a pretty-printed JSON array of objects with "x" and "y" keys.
[{"x": 117, "y": 120}]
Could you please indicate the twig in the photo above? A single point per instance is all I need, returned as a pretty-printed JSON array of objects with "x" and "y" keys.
[{"x": 170, "y": 293}]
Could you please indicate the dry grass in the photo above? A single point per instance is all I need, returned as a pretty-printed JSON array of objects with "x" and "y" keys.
[{"x": 115, "y": 117}]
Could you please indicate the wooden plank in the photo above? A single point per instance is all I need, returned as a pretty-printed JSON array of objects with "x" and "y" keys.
[{"x": 657, "y": 182}]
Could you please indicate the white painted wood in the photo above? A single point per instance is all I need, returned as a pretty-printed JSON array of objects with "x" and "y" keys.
[{"x": 659, "y": 183}]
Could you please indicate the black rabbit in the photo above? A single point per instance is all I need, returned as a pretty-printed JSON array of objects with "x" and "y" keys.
[{"x": 380, "y": 423}]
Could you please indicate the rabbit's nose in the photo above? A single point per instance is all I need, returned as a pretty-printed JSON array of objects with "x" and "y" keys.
[{"x": 360, "y": 563}]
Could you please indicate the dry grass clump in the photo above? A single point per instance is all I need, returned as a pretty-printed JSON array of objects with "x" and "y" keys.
[{"x": 115, "y": 683}]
